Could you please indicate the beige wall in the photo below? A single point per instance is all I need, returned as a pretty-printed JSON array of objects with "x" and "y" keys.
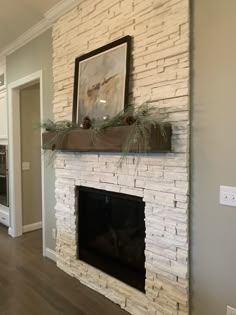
[
  {"x": 213, "y": 226},
  {"x": 35, "y": 56},
  {"x": 31, "y": 153}
]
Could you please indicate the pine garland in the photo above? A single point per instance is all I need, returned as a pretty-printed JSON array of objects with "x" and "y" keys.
[{"x": 139, "y": 118}]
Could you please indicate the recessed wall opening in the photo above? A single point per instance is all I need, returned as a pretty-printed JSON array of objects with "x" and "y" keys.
[
  {"x": 31, "y": 157},
  {"x": 111, "y": 234}
]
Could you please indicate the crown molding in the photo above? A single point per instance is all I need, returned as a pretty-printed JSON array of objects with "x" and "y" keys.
[{"x": 50, "y": 17}]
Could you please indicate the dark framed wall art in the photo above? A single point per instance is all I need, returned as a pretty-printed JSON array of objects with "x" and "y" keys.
[{"x": 101, "y": 81}]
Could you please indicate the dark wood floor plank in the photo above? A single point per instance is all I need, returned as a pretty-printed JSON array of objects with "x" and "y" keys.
[{"x": 32, "y": 285}]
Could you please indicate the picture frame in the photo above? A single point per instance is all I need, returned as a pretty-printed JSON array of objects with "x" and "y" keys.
[{"x": 101, "y": 81}]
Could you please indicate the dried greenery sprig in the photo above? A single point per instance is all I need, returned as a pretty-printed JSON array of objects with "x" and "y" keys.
[
  {"x": 60, "y": 129},
  {"x": 50, "y": 125},
  {"x": 140, "y": 118}
]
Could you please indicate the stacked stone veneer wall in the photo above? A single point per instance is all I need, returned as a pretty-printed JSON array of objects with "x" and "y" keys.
[{"x": 159, "y": 73}]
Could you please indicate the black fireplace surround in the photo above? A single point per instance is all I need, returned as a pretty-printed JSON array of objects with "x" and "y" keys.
[{"x": 111, "y": 234}]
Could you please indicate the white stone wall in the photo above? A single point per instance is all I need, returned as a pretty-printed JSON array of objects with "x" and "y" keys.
[{"x": 160, "y": 74}]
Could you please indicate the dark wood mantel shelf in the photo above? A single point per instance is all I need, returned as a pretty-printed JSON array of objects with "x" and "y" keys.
[{"x": 111, "y": 139}]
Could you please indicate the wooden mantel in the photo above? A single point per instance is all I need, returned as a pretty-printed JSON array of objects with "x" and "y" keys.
[{"x": 111, "y": 139}]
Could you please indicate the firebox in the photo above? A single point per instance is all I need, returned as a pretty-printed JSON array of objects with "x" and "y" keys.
[{"x": 111, "y": 234}]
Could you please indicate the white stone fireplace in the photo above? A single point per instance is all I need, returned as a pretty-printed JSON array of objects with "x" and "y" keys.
[
  {"x": 160, "y": 74},
  {"x": 164, "y": 191}
]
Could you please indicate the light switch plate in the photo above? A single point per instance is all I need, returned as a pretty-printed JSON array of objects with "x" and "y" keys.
[
  {"x": 25, "y": 166},
  {"x": 54, "y": 233},
  {"x": 231, "y": 311},
  {"x": 228, "y": 196}
]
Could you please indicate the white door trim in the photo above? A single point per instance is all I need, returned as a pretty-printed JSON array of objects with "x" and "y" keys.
[
  {"x": 51, "y": 254},
  {"x": 15, "y": 187}
]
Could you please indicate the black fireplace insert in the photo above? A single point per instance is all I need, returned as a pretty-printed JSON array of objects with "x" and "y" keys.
[{"x": 111, "y": 234}]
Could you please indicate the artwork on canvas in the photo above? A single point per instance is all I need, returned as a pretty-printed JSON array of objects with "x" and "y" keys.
[{"x": 101, "y": 81}]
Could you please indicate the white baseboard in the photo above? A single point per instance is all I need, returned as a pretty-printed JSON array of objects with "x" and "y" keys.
[
  {"x": 51, "y": 254},
  {"x": 32, "y": 227}
]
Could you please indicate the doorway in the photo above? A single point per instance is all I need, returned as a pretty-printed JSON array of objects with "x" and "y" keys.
[
  {"x": 31, "y": 158},
  {"x": 26, "y": 159}
]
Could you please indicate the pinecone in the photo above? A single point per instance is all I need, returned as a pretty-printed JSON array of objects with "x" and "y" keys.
[
  {"x": 86, "y": 123},
  {"x": 129, "y": 120},
  {"x": 53, "y": 148}
]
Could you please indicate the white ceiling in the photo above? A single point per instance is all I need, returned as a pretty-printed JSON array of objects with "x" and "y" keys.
[{"x": 17, "y": 16}]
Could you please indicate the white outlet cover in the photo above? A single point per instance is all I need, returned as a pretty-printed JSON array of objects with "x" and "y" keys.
[{"x": 228, "y": 196}]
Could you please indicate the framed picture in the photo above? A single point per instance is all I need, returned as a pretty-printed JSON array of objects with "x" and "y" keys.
[{"x": 101, "y": 81}]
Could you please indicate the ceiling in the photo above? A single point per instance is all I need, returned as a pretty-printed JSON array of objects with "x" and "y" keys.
[{"x": 17, "y": 16}]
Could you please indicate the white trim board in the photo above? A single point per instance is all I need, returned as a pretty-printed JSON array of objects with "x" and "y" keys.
[
  {"x": 4, "y": 141},
  {"x": 50, "y": 17},
  {"x": 51, "y": 254},
  {"x": 14, "y": 148},
  {"x": 32, "y": 227}
]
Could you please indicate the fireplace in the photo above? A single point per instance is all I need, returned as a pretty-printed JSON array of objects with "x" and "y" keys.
[{"x": 111, "y": 234}]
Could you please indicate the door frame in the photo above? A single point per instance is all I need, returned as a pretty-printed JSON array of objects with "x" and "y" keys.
[{"x": 14, "y": 147}]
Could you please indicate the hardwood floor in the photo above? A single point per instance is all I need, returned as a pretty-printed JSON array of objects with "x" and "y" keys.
[{"x": 33, "y": 285}]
